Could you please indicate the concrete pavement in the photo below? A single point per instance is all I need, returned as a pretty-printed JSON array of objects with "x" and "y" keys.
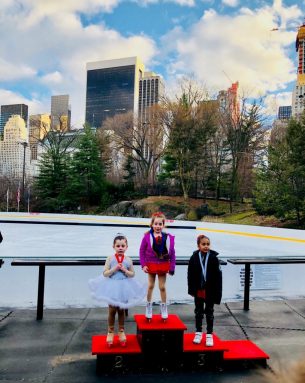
[{"x": 58, "y": 348}]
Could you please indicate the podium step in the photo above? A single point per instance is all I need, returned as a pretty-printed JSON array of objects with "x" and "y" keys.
[
  {"x": 160, "y": 339},
  {"x": 156, "y": 324},
  {"x": 100, "y": 347},
  {"x": 189, "y": 346},
  {"x": 238, "y": 350}
]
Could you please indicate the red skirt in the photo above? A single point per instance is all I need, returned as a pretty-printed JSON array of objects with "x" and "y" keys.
[
  {"x": 158, "y": 268},
  {"x": 201, "y": 293}
]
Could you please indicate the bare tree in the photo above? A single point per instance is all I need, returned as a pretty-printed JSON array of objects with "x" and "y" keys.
[
  {"x": 8, "y": 192},
  {"x": 142, "y": 141},
  {"x": 244, "y": 134},
  {"x": 189, "y": 124}
]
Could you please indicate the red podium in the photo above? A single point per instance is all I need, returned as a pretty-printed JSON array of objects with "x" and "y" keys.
[{"x": 162, "y": 346}]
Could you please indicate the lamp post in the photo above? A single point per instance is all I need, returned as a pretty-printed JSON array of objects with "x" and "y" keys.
[{"x": 24, "y": 144}]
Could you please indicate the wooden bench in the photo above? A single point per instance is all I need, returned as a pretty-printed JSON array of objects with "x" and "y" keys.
[
  {"x": 260, "y": 261},
  {"x": 42, "y": 263}
]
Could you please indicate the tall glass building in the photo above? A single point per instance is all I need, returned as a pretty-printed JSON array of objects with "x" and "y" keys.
[
  {"x": 151, "y": 89},
  {"x": 60, "y": 112},
  {"x": 112, "y": 88},
  {"x": 284, "y": 112},
  {"x": 7, "y": 111}
]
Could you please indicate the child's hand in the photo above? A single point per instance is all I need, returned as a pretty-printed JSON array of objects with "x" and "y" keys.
[
  {"x": 123, "y": 269},
  {"x": 145, "y": 269},
  {"x": 118, "y": 267}
]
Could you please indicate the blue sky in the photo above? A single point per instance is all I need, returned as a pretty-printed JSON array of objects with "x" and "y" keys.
[{"x": 45, "y": 45}]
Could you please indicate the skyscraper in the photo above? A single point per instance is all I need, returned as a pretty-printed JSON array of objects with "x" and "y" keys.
[
  {"x": 14, "y": 152},
  {"x": 112, "y": 88},
  {"x": 39, "y": 128},
  {"x": 14, "y": 109},
  {"x": 229, "y": 101},
  {"x": 284, "y": 112},
  {"x": 298, "y": 95},
  {"x": 151, "y": 89},
  {"x": 60, "y": 112}
]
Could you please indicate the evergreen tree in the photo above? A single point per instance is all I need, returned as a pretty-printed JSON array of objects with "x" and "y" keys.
[
  {"x": 130, "y": 173},
  {"x": 51, "y": 182},
  {"x": 86, "y": 173},
  {"x": 280, "y": 186}
]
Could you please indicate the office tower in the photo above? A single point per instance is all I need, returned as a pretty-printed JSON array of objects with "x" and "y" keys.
[
  {"x": 14, "y": 150},
  {"x": 112, "y": 88},
  {"x": 151, "y": 89},
  {"x": 284, "y": 112},
  {"x": 60, "y": 112},
  {"x": 228, "y": 101},
  {"x": 40, "y": 125},
  {"x": 14, "y": 109},
  {"x": 298, "y": 95}
]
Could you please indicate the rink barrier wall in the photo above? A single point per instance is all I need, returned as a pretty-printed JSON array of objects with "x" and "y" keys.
[{"x": 42, "y": 263}]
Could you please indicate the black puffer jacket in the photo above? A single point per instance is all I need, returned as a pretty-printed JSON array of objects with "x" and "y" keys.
[{"x": 213, "y": 286}]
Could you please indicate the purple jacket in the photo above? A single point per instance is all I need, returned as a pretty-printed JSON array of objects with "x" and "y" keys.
[{"x": 147, "y": 255}]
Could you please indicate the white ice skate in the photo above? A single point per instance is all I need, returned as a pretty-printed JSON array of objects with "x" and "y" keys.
[
  {"x": 148, "y": 311},
  {"x": 198, "y": 337},
  {"x": 209, "y": 341},
  {"x": 164, "y": 314}
]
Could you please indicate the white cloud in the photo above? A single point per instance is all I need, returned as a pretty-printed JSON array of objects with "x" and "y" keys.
[
  {"x": 272, "y": 102},
  {"x": 188, "y": 3},
  {"x": 54, "y": 51},
  {"x": 52, "y": 78},
  {"x": 37, "y": 10},
  {"x": 230, "y": 3},
  {"x": 36, "y": 106},
  {"x": 50, "y": 48},
  {"x": 241, "y": 45},
  {"x": 11, "y": 71}
]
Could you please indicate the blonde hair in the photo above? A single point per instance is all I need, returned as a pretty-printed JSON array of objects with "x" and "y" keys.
[{"x": 158, "y": 214}]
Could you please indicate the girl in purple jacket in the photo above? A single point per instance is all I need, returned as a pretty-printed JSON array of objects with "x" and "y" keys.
[{"x": 157, "y": 257}]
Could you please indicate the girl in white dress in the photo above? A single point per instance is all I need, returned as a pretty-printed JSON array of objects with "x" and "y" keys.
[{"x": 117, "y": 287}]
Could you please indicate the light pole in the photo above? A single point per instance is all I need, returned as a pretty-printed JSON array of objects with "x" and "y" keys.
[{"x": 24, "y": 144}]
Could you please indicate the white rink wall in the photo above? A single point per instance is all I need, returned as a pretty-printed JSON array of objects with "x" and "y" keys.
[{"x": 66, "y": 286}]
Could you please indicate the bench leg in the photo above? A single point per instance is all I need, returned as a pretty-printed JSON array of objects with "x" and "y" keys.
[
  {"x": 247, "y": 286},
  {"x": 40, "y": 298}
]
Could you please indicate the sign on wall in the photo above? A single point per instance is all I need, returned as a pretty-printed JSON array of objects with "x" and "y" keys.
[{"x": 262, "y": 277}]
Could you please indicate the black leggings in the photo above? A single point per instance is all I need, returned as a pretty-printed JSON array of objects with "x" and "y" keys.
[{"x": 201, "y": 308}]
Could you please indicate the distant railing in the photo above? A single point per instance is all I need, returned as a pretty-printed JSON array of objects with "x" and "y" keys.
[
  {"x": 260, "y": 261},
  {"x": 42, "y": 263}
]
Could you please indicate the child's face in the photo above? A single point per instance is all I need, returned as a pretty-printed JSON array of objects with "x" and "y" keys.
[
  {"x": 158, "y": 225},
  {"x": 120, "y": 246},
  {"x": 204, "y": 245}
]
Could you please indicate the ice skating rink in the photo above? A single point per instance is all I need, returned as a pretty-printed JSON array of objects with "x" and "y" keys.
[{"x": 78, "y": 236}]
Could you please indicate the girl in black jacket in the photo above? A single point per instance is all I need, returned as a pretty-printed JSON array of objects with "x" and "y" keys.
[{"x": 204, "y": 279}]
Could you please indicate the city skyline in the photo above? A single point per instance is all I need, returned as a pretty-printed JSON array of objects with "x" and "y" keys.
[{"x": 252, "y": 42}]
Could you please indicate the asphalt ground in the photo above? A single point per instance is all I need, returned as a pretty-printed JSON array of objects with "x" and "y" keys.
[{"x": 58, "y": 348}]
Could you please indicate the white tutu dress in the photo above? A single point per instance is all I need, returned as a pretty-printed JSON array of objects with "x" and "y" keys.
[{"x": 118, "y": 289}]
